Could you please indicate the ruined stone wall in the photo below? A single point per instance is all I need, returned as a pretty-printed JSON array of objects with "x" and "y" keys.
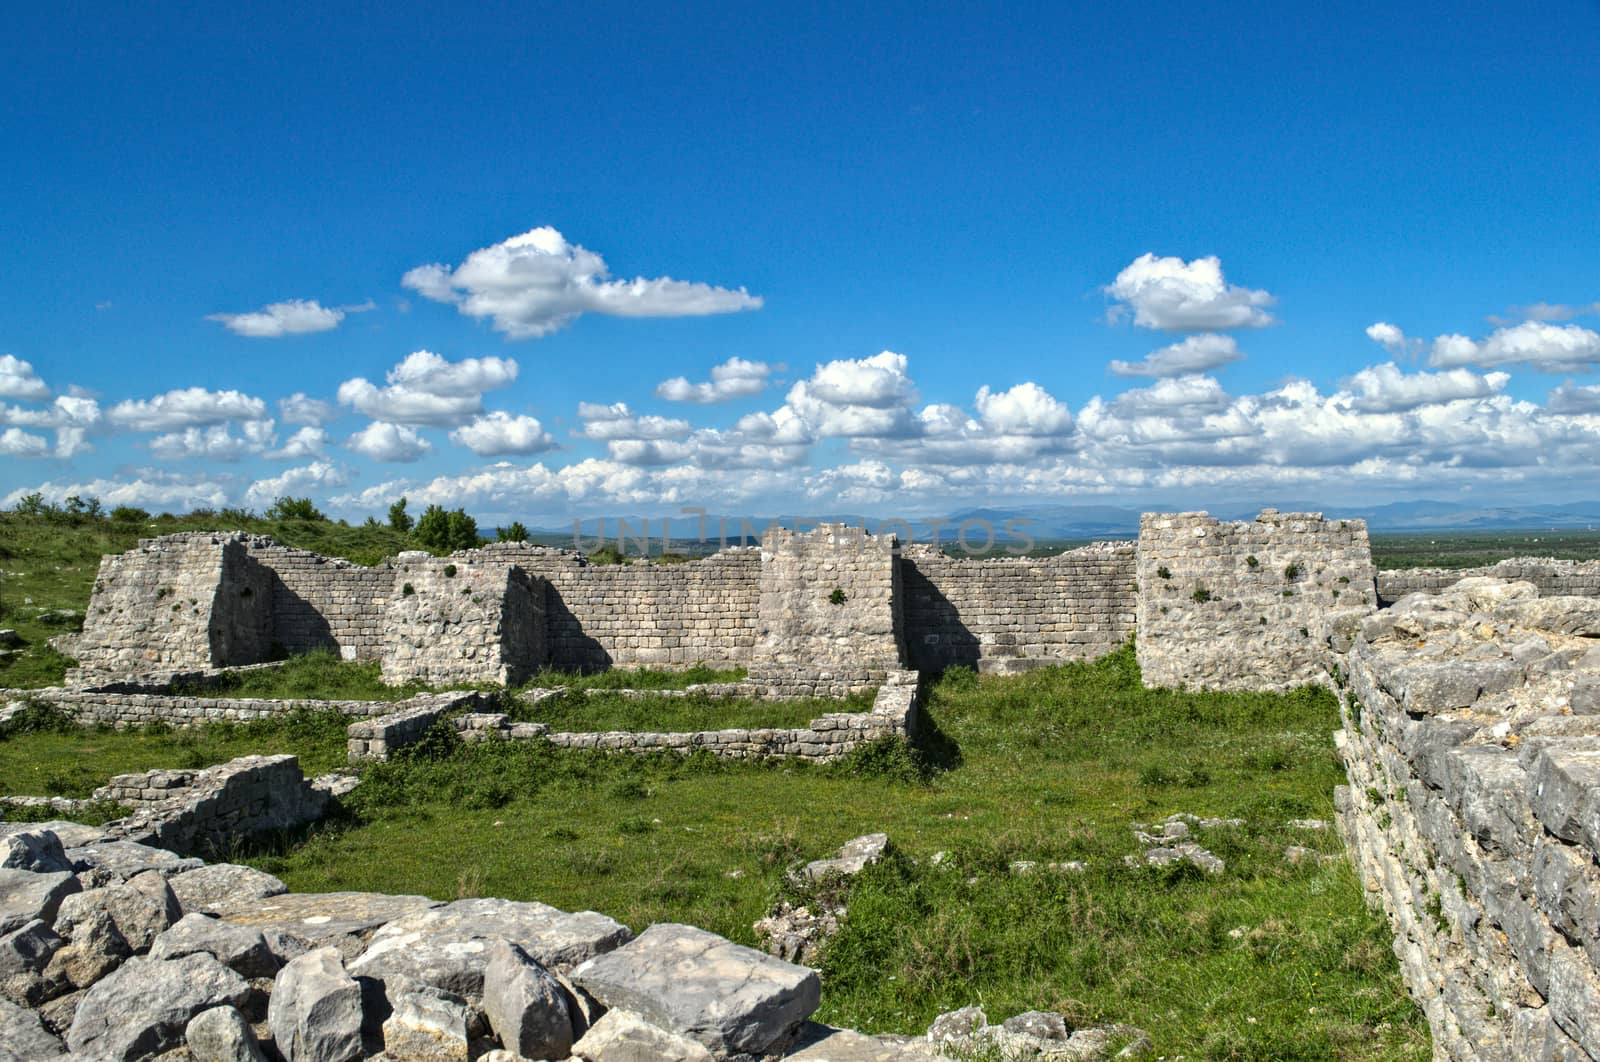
[
  {"x": 119, "y": 710},
  {"x": 466, "y": 618},
  {"x": 1002, "y": 613},
  {"x": 1231, "y": 605},
  {"x": 182, "y": 601},
  {"x": 829, "y": 596},
  {"x": 644, "y": 614},
  {"x": 322, "y": 603},
  {"x": 1472, "y": 742},
  {"x": 1551, "y": 576},
  {"x": 216, "y": 808}
]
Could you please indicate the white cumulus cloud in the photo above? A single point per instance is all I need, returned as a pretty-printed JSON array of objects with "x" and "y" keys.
[
  {"x": 18, "y": 380},
  {"x": 536, "y": 283},
  {"x": 300, "y": 408},
  {"x": 1573, "y": 398},
  {"x": 186, "y": 408},
  {"x": 149, "y": 489},
  {"x": 308, "y": 442},
  {"x": 1177, "y": 296},
  {"x": 617, "y": 421},
  {"x": 214, "y": 442},
  {"x": 14, "y": 442},
  {"x": 426, "y": 389},
  {"x": 1542, "y": 346},
  {"x": 72, "y": 416},
  {"x": 1193, "y": 354},
  {"x": 1385, "y": 389},
  {"x": 501, "y": 433},
  {"x": 734, "y": 378},
  {"x": 1026, "y": 409},
  {"x": 315, "y": 477},
  {"x": 292, "y": 317},
  {"x": 383, "y": 441}
]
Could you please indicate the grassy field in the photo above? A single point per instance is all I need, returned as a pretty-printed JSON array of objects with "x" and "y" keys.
[
  {"x": 43, "y": 755},
  {"x": 1267, "y": 960}
]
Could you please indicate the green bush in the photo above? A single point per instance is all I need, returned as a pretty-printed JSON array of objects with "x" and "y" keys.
[
  {"x": 446, "y": 531},
  {"x": 287, "y": 508}
]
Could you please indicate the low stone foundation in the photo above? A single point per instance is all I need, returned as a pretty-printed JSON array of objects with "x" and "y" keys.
[
  {"x": 893, "y": 714},
  {"x": 120, "y": 710}
]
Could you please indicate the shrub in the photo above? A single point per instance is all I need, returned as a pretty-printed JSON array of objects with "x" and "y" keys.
[
  {"x": 287, "y": 508},
  {"x": 399, "y": 519},
  {"x": 1252, "y": 562},
  {"x": 1164, "y": 572},
  {"x": 1201, "y": 595},
  {"x": 513, "y": 532},
  {"x": 445, "y": 531},
  {"x": 129, "y": 514},
  {"x": 837, "y": 597},
  {"x": 1291, "y": 571}
]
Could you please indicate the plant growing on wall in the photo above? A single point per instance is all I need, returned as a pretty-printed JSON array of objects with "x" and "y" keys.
[
  {"x": 1292, "y": 571},
  {"x": 1201, "y": 595},
  {"x": 1164, "y": 572},
  {"x": 1252, "y": 562},
  {"x": 837, "y": 597}
]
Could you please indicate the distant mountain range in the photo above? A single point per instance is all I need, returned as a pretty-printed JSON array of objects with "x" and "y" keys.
[{"x": 1054, "y": 522}]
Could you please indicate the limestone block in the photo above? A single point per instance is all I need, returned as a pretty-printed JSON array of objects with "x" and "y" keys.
[
  {"x": 144, "y": 1006},
  {"x": 315, "y": 1011}
]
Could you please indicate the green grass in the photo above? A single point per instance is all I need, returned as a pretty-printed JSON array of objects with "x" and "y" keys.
[
  {"x": 46, "y": 756},
  {"x": 315, "y": 676},
  {"x": 580, "y": 712},
  {"x": 1049, "y": 766},
  {"x": 623, "y": 678}
]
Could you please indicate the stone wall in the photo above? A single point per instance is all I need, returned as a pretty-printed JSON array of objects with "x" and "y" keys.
[
  {"x": 1551, "y": 576},
  {"x": 829, "y": 596},
  {"x": 322, "y": 603},
  {"x": 644, "y": 614},
  {"x": 464, "y": 618},
  {"x": 1231, "y": 605},
  {"x": 1472, "y": 742},
  {"x": 219, "y": 806},
  {"x": 190, "y": 600},
  {"x": 1007, "y": 613},
  {"x": 893, "y": 715},
  {"x": 119, "y": 710}
]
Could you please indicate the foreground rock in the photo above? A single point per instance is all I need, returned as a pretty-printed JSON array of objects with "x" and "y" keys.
[
  {"x": 211, "y": 889},
  {"x": 726, "y": 997},
  {"x": 851, "y": 859},
  {"x": 296, "y": 923},
  {"x": 25, "y": 896},
  {"x": 240, "y": 948},
  {"x": 822, "y": 1043},
  {"x": 1033, "y": 1035},
  {"x": 427, "y": 1024},
  {"x": 315, "y": 1012},
  {"x": 23, "y": 1038},
  {"x": 221, "y": 1034},
  {"x": 143, "y": 1007},
  {"x": 526, "y": 1007},
  {"x": 623, "y": 1036}
]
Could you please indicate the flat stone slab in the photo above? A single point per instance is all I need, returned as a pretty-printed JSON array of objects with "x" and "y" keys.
[
  {"x": 72, "y": 834},
  {"x": 853, "y": 857},
  {"x": 823, "y": 1043},
  {"x": 726, "y": 996},
  {"x": 298, "y": 922},
  {"x": 25, "y": 896},
  {"x": 124, "y": 859},
  {"x": 452, "y": 937},
  {"x": 209, "y": 889}
]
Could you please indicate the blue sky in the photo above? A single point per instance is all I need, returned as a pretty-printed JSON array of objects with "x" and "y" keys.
[{"x": 912, "y": 244}]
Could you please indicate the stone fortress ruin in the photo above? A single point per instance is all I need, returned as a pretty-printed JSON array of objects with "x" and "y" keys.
[{"x": 1470, "y": 705}]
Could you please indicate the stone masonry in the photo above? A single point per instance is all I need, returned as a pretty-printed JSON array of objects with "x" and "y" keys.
[
  {"x": 1232, "y": 605},
  {"x": 1472, "y": 741},
  {"x": 829, "y": 596},
  {"x": 463, "y": 618},
  {"x": 190, "y": 600}
]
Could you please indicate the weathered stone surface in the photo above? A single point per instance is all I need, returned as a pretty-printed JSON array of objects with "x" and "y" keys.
[
  {"x": 23, "y": 1038},
  {"x": 295, "y": 923},
  {"x": 853, "y": 857},
  {"x": 97, "y": 947},
  {"x": 121, "y": 860},
  {"x": 25, "y": 896},
  {"x": 143, "y": 1007},
  {"x": 315, "y": 1011},
  {"x": 242, "y": 949},
  {"x": 728, "y": 997},
  {"x": 38, "y": 851},
  {"x": 210, "y": 889},
  {"x": 24, "y": 955},
  {"x": 957, "y": 1026},
  {"x": 142, "y": 908},
  {"x": 222, "y": 1034},
  {"x": 822, "y": 1043},
  {"x": 425, "y": 1024},
  {"x": 70, "y": 834},
  {"x": 445, "y": 945},
  {"x": 623, "y": 1036},
  {"x": 526, "y": 1007}
]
